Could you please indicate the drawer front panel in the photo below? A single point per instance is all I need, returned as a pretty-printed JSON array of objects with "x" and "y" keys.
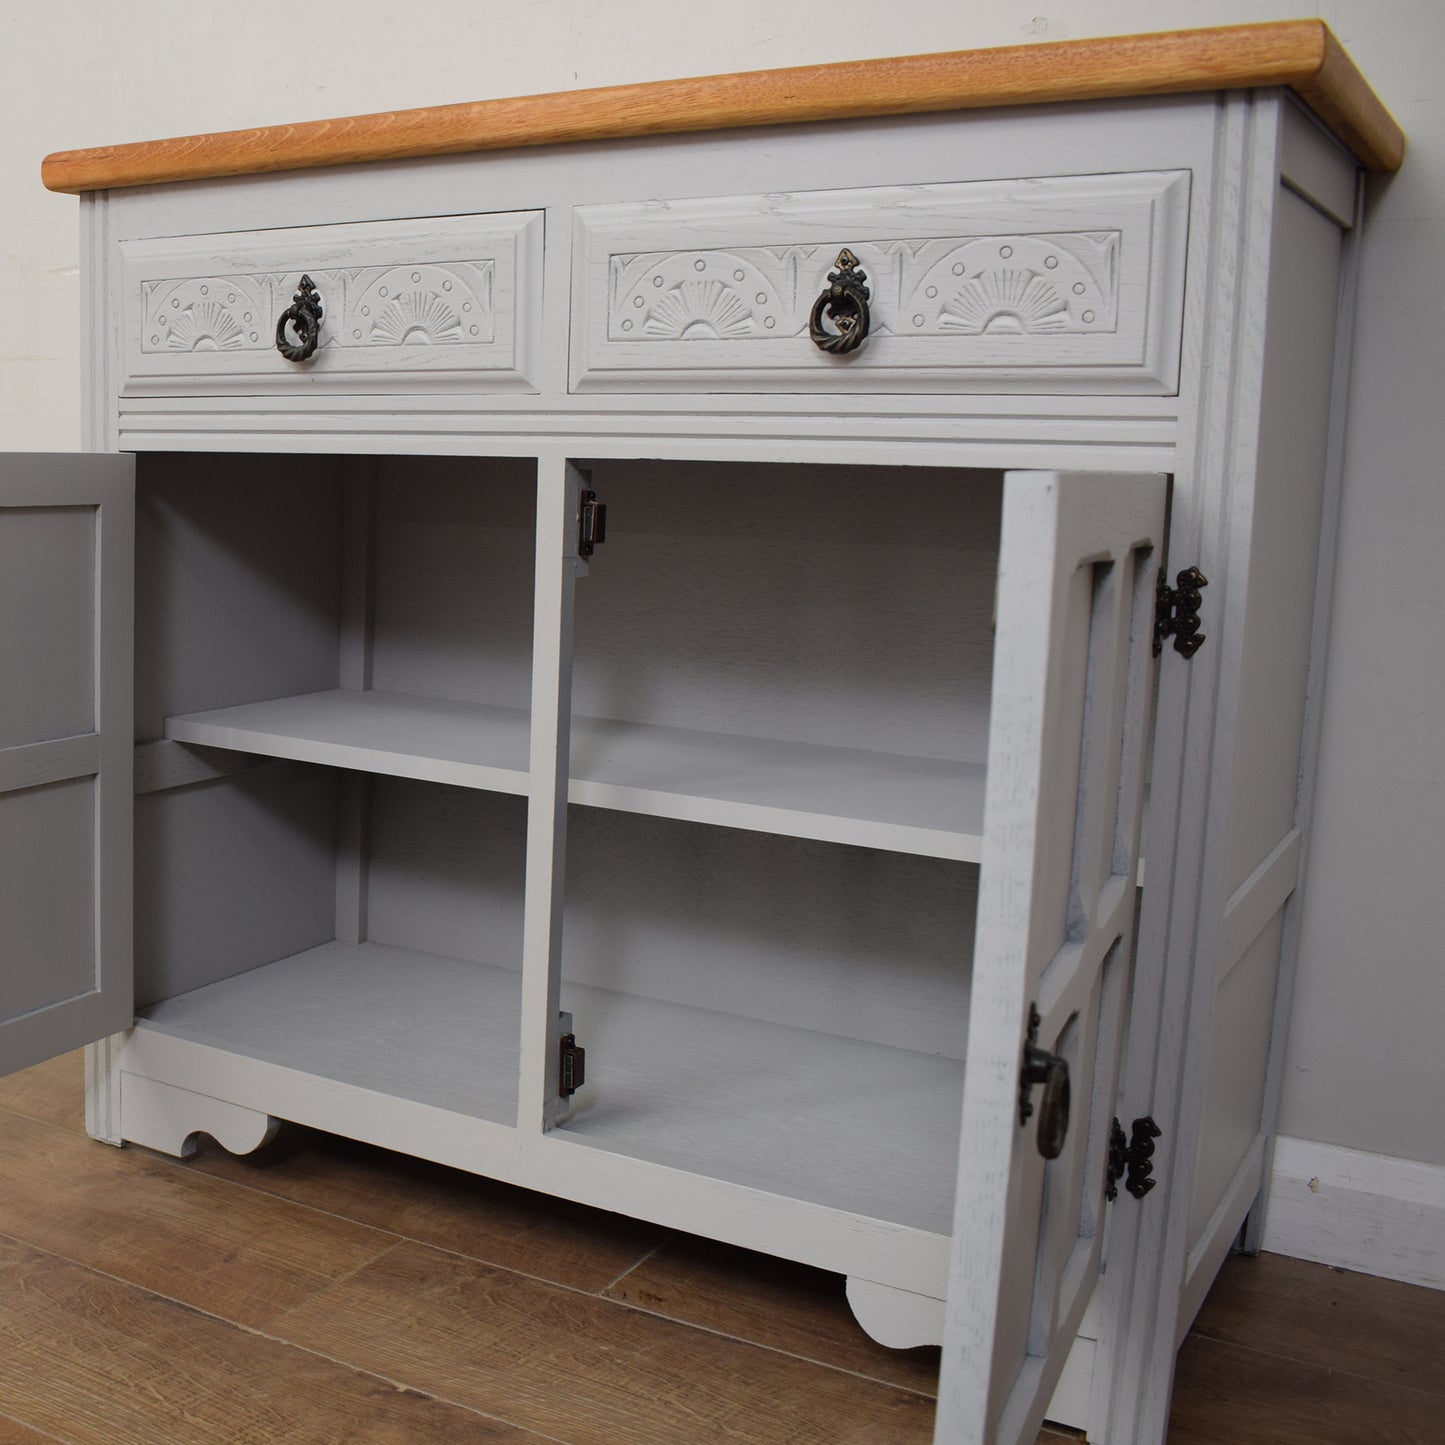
[
  {"x": 443, "y": 304},
  {"x": 1070, "y": 284}
]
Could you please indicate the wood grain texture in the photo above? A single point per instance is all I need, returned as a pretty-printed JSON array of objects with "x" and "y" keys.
[
  {"x": 1301, "y": 54},
  {"x": 1378, "y": 1329},
  {"x": 53, "y": 1091},
  {"x": 1247, "y": 1398},
  {"x": 586, "y": 1370},
  {"x": 99, "y": 1362},
  {"x": 516, "y": 1229},
  {"x": 231, "y": 1252},
  {"x": 772, "y": 1302},
  {"x": 12, "y": 1432}
]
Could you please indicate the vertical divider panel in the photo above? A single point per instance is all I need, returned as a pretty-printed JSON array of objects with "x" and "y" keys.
[
  {"x": 358, "y": 550},
  {"x": 559, "y": 485}
]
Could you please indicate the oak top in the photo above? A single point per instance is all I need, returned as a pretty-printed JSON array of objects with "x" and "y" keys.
[{"x": 1302, "y": 55}]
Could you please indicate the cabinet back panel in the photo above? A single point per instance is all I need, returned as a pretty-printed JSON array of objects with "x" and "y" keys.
[
  {"x": 445, "y": 870},
  {"x": 452, "y": 579},
  {"x": 238, "y": 574},
  {"x": 232, "y": 874},
  {"x": 856, "y": 942},
  {"x": 843, "y": 605}
]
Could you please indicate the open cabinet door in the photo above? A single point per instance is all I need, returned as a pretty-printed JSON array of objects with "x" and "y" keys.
[
  {"x": 1072, "y": 689},
  {"x": 66, "y": 623}
]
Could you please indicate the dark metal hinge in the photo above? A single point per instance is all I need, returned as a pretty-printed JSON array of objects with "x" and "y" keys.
[
  {"x": 591, "y": 524},
  {"x": 1134, "y": 1156},
  {"x": 573, "y": 1071},
  {"x": 1176, "y": 612}
]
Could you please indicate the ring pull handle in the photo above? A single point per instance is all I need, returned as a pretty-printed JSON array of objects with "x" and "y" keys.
[
  {"x": 844, "y": 302},
  {"x": 304, "y": 317},
  {"x": 1052, "y": 1071}
]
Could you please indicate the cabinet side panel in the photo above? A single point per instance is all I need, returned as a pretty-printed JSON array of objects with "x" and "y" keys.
[
  {"x": 238, "y": 582},
  {"x": 1281, "y": 532},
  {"x": 232, "y": 874},
  {"x": 1285, "y": 529}
]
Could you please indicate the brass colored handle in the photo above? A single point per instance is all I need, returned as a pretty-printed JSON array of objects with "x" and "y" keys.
[
  {"x": 844, "y": 302},
  {"x": 304, "y": 316}
]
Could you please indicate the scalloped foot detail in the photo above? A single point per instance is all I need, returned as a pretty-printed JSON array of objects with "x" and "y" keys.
[
  {"x": 896, "y": 1318},
  {"x": 167, "y": 1119}
]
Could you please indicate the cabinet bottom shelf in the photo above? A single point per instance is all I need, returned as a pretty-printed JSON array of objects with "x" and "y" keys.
[
  {"x": 396, "y": 1021},
  {"x": 862, "y": 1129}
]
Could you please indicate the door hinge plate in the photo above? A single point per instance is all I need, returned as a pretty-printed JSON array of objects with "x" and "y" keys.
[
  {"x": 1133, "y": 1156},
  {"x": 591, "y": 524},
  {"x": 1176, "y": 612}
]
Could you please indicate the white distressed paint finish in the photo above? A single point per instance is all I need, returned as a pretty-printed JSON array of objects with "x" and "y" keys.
[
  {"x": 1358, "y": 1211},
  {"x": 1053, "y": 285},
  {"x": 1072, "y": 688},
  {"x": 448, "y": 303}
]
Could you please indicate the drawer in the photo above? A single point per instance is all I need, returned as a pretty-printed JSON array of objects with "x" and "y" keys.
[
  {"x": 1065, "y": 284},
  {"x": 441, "y": 304}
]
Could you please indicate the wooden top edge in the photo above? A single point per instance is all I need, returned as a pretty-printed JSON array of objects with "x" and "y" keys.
[{"x": 1300, "y": 54}]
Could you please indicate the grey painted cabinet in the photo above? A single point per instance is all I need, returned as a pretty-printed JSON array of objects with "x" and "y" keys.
[{"x": 803, "y": 800}]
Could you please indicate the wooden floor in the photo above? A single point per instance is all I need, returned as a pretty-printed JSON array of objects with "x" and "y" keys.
[{"x": 322, "y": 1292}]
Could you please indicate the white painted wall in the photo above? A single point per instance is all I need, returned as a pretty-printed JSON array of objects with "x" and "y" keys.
[{"x": 1364, "y": 1065}]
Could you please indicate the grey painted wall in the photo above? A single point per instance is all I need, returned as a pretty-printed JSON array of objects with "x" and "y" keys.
[{"x": 1363, "y": 1069}]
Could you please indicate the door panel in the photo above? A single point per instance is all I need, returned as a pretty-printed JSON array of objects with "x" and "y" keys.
[
  {"x": 66, "y": 624},
  {"x": 1073, "y": 673}
]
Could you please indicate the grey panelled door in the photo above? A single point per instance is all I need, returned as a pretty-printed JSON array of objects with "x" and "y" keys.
[
  {"x": 66, "y": 621},
  {"x": 1072, "y": 688}
]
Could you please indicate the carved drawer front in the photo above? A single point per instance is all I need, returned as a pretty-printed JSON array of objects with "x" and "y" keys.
[
  {"x": 1068, "y": 284},
  {"x": 443, "y": 304}
]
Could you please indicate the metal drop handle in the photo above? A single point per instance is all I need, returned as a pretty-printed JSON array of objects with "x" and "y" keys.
[
  {"x": 1052, "y": 1071},
  {"x": 304, "y": 317},
  {"x": 843, "y": 303}
]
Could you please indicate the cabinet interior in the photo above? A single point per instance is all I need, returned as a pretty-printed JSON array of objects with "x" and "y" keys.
[{"x": 780, "y": 690}]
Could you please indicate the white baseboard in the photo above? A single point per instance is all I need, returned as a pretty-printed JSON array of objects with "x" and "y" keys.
[{"x": 1366, "y": 1212}]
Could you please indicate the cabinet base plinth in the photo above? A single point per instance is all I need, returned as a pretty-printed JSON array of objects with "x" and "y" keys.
[
  {"x": 897, "y": 1318},
  {"x": 168, "y": 1119}
]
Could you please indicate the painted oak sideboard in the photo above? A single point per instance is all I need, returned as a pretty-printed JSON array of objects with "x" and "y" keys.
[{"x": 623, "y": 642}]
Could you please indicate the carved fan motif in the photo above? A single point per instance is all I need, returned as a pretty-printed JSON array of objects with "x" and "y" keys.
[
  {"x": 417, "y": 316},
  {"x": 205, "y": 326},
  {"x": 699, "y": 309},
  {"x": 1005, "y": 300}
]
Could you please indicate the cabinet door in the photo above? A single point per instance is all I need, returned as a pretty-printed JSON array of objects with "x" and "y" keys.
[
  {"x": 1072, "y": 686},
  {"x": 66, "y": 624}
]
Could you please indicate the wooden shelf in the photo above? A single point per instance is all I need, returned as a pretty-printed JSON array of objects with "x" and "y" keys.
[
  {"x": 926, "y": 806},
  {"x": 855, "y": 1126},
  {"x": 407, "y": 1024}
]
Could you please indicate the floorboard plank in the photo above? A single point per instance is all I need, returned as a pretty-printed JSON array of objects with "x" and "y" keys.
[
  {"x": 98, "y": 1362},
  {"x": 514, "y": 1228},
  {"x": 585, "y": 1369},
  {"x": 1376, "y": 1328},
  {"x": 53, "y": 1091},
  {"x": 1226, "y": 1393},
  {"x": 769, "y": 1302},
  {"x": 229, "y": 1251},
  {"x": 12, "y": 1432}
]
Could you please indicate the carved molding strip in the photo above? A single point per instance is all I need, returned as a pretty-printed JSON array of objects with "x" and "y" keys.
[
  {"x": 1050, "y": 284},
  {"x": 429, "y": 304}
]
